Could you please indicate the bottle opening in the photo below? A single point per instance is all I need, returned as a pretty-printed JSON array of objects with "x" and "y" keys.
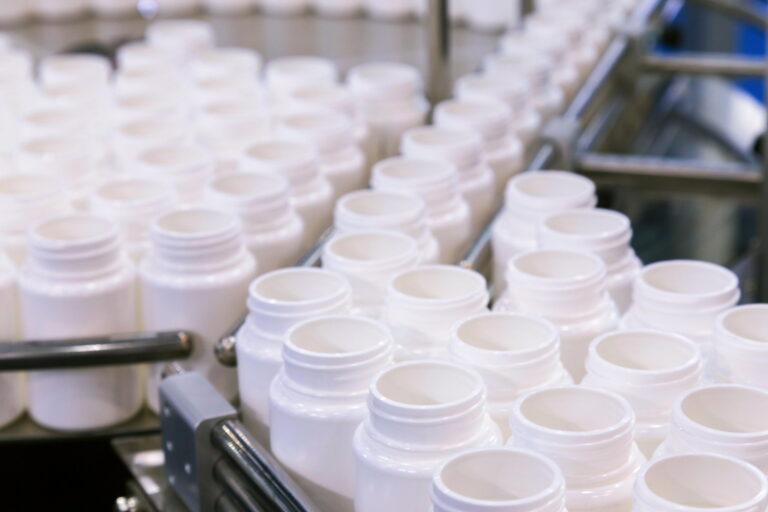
[
  {"x": 302, "y": 67},
  {"x": 426, "y": 384},
  {"x": 147, "y": 128},
  {"x": 554, "y": 184},
  {"x": 749, "y": 322},
  {"x": 646, "y": 351},
  {"x": 379, "y": 246},
  {"x": 250, "y": 184},
  {"x": 439, "y": 282},
  {"x": 278, "y": 151},
  {"x": 499, "y": 475},
  {"x": 588, "y": 222},
  {"x": 50, "y": 146},
  {"x": 703, "y": 481},
  {"x": 573, "y": 409},
  {"x": 689, "y": 277},
  {"x": 379, "y": 204},
  {"x": 552, "y": 264},
  {"x": 75, "y": 228},
  {"x": 731, "y": 409},
  {"x": 505, "y": 332},
  {"x": 431, "y": 136},
  {"x": 338, "y": 335},
  {"x": 385, "y": 74},
  {"x": 298, "y": 285},
  {"x": 195, "y": 222}
]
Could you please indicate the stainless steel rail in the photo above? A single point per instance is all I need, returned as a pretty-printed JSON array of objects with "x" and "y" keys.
[
  {"x": 97, "y": 351},
  {"x": 707, "y": 64}
]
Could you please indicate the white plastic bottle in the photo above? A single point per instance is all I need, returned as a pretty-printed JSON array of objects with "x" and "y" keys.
[
  {"x": 78, "y": 69},
  {"x": 25, "y": 198},
  {"x": 437, "y": 183},
  {"x": 181, "y": 39},
  {"x": 195, "y": 277},
  {"x": 274, "y": 232},
  {"x": 337, "y": 8},
  {"x": 227, "y": 62},
  {"x": 319, "y": 399},
  {"x": 588, "y": 434},
  {"x": 369, "y": 260},
  {"x": 424, "y": 304},
  {"x": 311, "y": 193},
  {"x": 567, "y": 288},
  {"x": 285, "y": 75},
  {"x": 529, "y": 198},
  {"x": 389, "y": 211},
  {"x": 741, "y": 352},
  {"x": 515, "y": 94},
  {"x": 419, "y": 414},
  {"x": 462, "y": 149},
  {"x": 651, "y": 369},
  {"x": 684, "y": 297},
  {"x": 491, "y": 119},
  {"x": 498, "y": 480},
  {"x": 606, "y": 233},
  {"x": 277, "y": 301},
  {"x": 185, "y": 168},
  {"x": 332, "y": 134},
  {"x": 77, "y": 282},
  {"x": 513, "y": 353},
  {"x": 391, "y": 99},
  {"x": 726, "y": 419},
  {"x": 492, "y": 15},
  {"x": 699, "y": 482},
  {"x": 388, "y": 10},
  {"x": 132, "y": 203},
  {"x": 133, "y": 137},
  {"x": 12, "y": 384}
]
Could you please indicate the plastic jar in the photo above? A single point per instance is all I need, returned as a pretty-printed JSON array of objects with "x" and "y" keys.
[
  {"x": 741, "y": 351},
  {"x": 568, "y": 289},
  {"x": 369, "y": 260},
  {"x": 195, "y": 278},
  {"x": 337, "y": 8},
  {"x": 342, "y": 162},
  {"x": 604, "y": 232},
  {"x": 227, "y": 127},
  {"x": 530, "y": 198},
  {"x": 389, "y": 10},
  {"x": 726, "y": 419},
  {"x": 460, "y": 148},
  {"x": 132, "y": 138},
  {"x": 181, "y": 39},
  {"x": 284, "y": 7},
  {"x": 684, "y": 297},
  {"x": 12, "y": 384},
  {"x": 498, "y": 480},
  {"x": 391, "y": 211},
  {"x": 513, "y": 353},
  {"x": 588, "y": 434},
  {"x": 26, "y": 198},
  {"x": 141, "y": 102},
  {"x": 274, "y": 232},
  {"x": 515, "y": 94},
  {"x": 286, "y": 75},
  {"x": 49, "y": 121},
  {"x": 437, "y": 183},
  {"x": 321, "y": 394},
  {"x": 132, "y": 203},
  {"x": 491, "y": 119},
  {"x": 424, "y": 304},
  {"x": 59, "y": 9},
  {"x": 142, "y": 56},
  {"x": 419, "y": 414},
  {"x": 700, "y": 482},
  {"x": 311, "y": 193},
  {"x": 80, "y": 165},
  {"x": 183, "y": 167},
  {"x": 77, "y": 283},
  {"x": 75, "y": 69},
  {"x": 651, "y": 369},
  {"x": 277, "y": 301},
  {"x": 229, "y": 7},
  {"x": 391, "y": 100},
  {"x": 114, "y": 8},
  {"x": 492, "y": 15},
  {"x": 227, "y": 62}
]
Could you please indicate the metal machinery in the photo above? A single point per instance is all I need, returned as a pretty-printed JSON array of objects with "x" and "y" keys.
[{"x": 636, "y": 124}]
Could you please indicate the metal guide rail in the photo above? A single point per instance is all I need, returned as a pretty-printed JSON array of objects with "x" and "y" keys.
[{"x": 212, "y": 463}]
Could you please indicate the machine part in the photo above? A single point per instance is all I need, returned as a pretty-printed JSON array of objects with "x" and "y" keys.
[
  {"x": 97, "y": 351},
  {"x": 190, "y": 407},
  {"x": 747, "y": 10},
  {"x": 225, "y": 351},
  {"x": 439, "y": 51},
  {"x": 707, "y": 63}
]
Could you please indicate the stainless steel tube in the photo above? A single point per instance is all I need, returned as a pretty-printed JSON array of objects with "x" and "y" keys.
[
  {"x": 237, "y": 489},
  {"x": 438, "y": 51},
  {"x": 260, "y": 468},
  {"x": 706, "y": 64},
  {"x": 97, "y": 351}
]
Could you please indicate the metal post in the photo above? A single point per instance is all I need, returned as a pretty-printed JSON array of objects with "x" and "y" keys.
[
  {"x": 439, "y": 51},
  {"x": 762, "y": 284}
]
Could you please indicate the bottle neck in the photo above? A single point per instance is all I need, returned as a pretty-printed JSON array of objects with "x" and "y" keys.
[
  {"x": 74, "y": 246},
  {"x": 532, "y": 196}
]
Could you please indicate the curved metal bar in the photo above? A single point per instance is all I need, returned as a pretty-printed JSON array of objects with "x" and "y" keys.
[{"x": 97, "y": 351}]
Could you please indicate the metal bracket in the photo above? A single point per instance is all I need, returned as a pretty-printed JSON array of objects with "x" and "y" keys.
[{"x": 190, "y": 407}]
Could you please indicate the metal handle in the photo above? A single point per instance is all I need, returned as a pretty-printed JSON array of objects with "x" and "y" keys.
[{"x": 97, "y": 351}]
